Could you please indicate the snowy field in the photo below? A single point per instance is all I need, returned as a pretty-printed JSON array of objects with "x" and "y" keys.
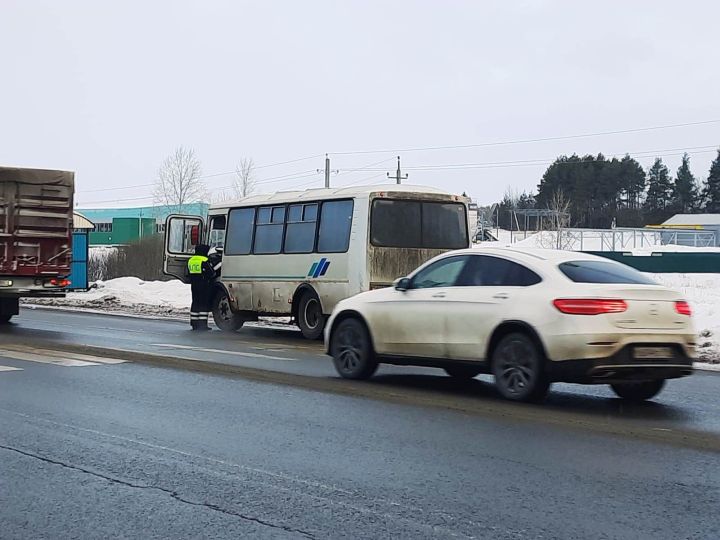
[{"x": 172, "y": 299}]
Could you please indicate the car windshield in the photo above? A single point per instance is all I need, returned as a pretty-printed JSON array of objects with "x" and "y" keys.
[{"x": 603, "y": 272}]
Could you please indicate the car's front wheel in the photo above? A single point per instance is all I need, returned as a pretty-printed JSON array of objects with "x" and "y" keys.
[
  {"x": 638, "y": 391},
  {"x": 517, "y": 364},
  {"x": 352, "y": 350}
]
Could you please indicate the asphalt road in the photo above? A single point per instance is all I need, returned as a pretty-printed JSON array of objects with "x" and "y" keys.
[
  {"x": 90, "y": 449},
  {"x": 688, "y": 409}
]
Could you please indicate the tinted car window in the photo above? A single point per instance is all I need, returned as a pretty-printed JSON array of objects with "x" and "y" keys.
[
  {"x": 603, "y": 272},
  {"x": 486, "y": 271},
  {"x": 443, "y": 273}
]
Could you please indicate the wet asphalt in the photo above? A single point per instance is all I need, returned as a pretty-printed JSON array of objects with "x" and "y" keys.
[
  {"x": 687, "y": 406},
  {"x": 131, "y": 451}
]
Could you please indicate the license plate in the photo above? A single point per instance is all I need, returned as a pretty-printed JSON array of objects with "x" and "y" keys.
[{"x": 652, "y": 352}]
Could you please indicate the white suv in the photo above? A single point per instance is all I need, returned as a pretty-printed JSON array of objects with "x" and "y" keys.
[{"x": 529, "y": 317}]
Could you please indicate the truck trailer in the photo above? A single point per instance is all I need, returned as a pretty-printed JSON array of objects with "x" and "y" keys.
[{"x": 36, "y": 225}]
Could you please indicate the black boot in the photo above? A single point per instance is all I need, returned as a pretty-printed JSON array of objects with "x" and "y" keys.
[{"x": 202, "y": 325}]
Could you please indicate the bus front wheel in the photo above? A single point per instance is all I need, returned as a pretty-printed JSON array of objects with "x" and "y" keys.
[
  {"x": 223, "y": 315},
  {"x": 310, "y": 317}
]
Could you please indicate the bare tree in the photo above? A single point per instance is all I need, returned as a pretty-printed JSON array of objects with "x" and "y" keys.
[
  {"x": 244, "y": 183},
  {"x": 556, "y": 236},
  {"x": 223, "y": 196},
  {"x": 179, "y": 181}
]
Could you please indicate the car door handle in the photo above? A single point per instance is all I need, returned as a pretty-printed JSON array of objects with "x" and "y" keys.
[
  {"x": 501, "y": 296},
  {"x": 439, "y": 295}
]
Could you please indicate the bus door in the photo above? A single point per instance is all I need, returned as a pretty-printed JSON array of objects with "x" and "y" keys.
[{"x": 182, "y": 234}]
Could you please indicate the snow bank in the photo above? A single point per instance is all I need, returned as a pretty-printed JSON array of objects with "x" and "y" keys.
[
  {"x": 129, "y": 295},
  {"x": 131, "y": 291}
]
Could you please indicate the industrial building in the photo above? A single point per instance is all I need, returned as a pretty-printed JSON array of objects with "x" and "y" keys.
[
  {"x": 122, "y": 226},
  {"x": 697, "y": 230}
]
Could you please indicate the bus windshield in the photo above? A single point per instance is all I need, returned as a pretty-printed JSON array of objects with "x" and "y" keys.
[{"x": 418, "y": 224}]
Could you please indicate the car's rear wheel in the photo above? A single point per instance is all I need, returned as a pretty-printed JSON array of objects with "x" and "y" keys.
[
  {"x": 225, "y": 318},
  {"x": 638, "y": 391},
  {"x": 517, "y": 364},
  {"x": 310, "y": 317},
  {"x": 352, "y": 350},
  {"x": 462, "y": 372}
]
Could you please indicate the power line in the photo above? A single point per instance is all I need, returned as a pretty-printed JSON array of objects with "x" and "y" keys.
[
  {"x": 525, "y": 141},
  {"x": 533, "y": 162},
  {"x": 213, "y": 175}
]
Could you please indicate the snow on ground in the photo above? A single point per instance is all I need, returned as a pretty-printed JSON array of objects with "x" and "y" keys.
[
  {"x": 703, "y": 293},
  {"x": 131, "y": 295}
]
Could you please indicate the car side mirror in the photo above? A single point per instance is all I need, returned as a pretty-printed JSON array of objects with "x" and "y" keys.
[{"x": 402, "y": 284}]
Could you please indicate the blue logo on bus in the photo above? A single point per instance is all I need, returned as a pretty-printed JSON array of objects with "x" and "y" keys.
[{"x": 319, "y": 268}]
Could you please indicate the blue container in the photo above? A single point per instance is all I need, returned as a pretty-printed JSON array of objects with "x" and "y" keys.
[{"x": 79, "y": 268}]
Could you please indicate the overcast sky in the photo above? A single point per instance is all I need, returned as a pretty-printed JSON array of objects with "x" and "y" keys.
[{"x": 109, "y": 89}]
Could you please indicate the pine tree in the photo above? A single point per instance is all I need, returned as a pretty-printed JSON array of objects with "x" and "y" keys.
[
  {"x": 684, "y": 193},
  {"x": 632, "y": 181},
  {"x": 659, "y": 187},
  {"x": 712, "y": 187}
]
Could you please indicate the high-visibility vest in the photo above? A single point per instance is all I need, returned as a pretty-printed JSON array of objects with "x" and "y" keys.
[{"x": 195, "y": 264}]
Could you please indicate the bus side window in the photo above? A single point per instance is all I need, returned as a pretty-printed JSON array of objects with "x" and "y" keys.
[
  {"x": 269, "y": 229},
  {"x": 241, "y": 223},
  {"x": 335, "y": 224},
  {"x": 301, "y": 225},
  {"x": 217, "y": 232}
]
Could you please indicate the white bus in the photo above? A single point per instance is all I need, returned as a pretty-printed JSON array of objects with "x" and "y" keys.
[{"x": 299, "y": 253}]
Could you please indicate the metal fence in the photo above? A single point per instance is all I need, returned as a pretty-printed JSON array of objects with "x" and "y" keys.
[{"x": 621, "y": 239}]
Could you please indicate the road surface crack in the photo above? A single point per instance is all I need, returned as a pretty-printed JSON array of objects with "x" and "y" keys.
[{"x": 175, "y": 495}]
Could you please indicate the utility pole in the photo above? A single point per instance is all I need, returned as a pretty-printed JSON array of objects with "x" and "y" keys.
[
  {"x": 398, "y": 175},
  {"x": 327, "y": 171}
]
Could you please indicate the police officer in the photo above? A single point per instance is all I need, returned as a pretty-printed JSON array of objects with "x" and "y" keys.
[{"x": 202, "y": 276}]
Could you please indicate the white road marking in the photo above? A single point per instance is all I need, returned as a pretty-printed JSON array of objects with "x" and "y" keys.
[
  {"x": 220, "y": 351},
  {"x": 10, "y": 368},
  {"x": 57, "y": 358}
]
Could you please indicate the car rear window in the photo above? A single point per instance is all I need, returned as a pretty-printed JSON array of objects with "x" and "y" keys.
[{"x": 603, "y": 272}]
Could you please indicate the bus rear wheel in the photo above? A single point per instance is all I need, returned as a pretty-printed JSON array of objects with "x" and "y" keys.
[
  {"x": 310, "y": 318},
  {"x": 223, "y": 315}
]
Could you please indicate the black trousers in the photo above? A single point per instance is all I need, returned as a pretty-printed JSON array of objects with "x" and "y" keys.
[{"x": 201, "y": 296}]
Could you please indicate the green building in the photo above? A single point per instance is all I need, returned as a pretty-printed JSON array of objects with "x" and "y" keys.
[{"x": 122, "y": 226}]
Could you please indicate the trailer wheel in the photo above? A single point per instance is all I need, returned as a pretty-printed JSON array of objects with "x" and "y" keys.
[{"x": 5, "y": 319}]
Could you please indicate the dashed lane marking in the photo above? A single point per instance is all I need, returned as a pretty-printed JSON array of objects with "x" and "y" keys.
[
  {"x": 220, "y": 351},
  {"x": 57, "y": 358},
  {"x": 10, "y": 368}
]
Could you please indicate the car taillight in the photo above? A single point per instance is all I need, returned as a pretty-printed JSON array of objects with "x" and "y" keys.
[
  {"x": 683, "y": 308},
  {"x": 589, "y": 306}
]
